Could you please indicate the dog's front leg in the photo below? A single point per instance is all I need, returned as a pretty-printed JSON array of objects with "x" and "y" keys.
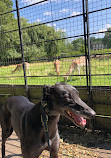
[
  {"x": 55, "y": 143},
  {"x": 3, "y": 144},
  {"x": 54, "y": 155},
  {"x": 5, "y": 134},
  {"x": 3, "y": 150}
]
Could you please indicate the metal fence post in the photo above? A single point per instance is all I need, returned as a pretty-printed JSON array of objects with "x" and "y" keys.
[
  {"x": 87, "y": 54},
  {"x": 87, "y": 44},
  {"x": 21, "y": 45},
  {"x": 85, "y": 40}
]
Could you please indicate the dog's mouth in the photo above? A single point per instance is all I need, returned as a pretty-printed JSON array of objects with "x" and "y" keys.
[{"x": 75, "y": 118}]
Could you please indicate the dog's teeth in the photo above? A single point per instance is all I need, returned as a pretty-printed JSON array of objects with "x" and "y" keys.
[{"x": 69, "y": 113}]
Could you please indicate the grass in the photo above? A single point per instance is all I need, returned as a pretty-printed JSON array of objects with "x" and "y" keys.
[{"x": 44, "y": 73}]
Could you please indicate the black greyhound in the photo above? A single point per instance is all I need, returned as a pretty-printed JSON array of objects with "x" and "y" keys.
[{"x": 24, "y": 117}]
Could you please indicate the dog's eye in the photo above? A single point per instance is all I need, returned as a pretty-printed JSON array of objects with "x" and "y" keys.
[
  {"x": 70, "y": 96},
  {"x": 64, "y": 92},
  {"x": 78, "y": 107}
]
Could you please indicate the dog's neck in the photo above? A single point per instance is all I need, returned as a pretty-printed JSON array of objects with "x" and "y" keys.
[
  {"x": 35, "y": 113},
  {"x": 33, "y": 117}
]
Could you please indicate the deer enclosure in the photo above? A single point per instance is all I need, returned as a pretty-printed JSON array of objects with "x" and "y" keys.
[{"x": 45, "y": 42}]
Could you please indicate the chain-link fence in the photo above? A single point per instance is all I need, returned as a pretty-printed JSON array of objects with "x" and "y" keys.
[{"x": 39, "y": 32}]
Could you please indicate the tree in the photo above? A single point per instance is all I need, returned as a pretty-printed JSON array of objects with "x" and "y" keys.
[
  {"x": 54, "y": 46},
  {"x": 46, "y": 38},
  {"x": 78, "y": 45},
  {"x": 107, "y": 39},
  {"x": 5, "y": 6},
  {"x": 39, "y": 41},
  {"x": 6, "y": 23},
  {"x": 9, "y": 42}
]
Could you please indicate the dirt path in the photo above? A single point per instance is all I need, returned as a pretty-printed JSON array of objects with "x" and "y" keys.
[{"x": 72, "y": 145}]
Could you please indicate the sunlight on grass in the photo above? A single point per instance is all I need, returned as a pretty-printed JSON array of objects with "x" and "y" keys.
[{"x": 44, "y": 73}]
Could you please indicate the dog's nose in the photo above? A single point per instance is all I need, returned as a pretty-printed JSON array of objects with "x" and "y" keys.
[{"x": 93, "y": 113}]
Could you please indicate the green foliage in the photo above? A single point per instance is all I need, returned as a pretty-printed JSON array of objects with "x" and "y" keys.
[
  {"x": 107, "y": 38},
  {"x": 5, "y": 6},
  {"x": 32, "y": 52},
  {"x": 39, "y": 41},
  {"x": 78, "y": 44},
  {"x": 102, "y": 51},
  {"x": 9, "y": 42}
]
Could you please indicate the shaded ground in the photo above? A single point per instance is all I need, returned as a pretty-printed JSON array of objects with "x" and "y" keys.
[
  {"x": 97, "y": 141},
  {"x": 75, "y": 143}
]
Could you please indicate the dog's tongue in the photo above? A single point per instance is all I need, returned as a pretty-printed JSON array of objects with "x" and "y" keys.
[{"x": 78, "y": 119}]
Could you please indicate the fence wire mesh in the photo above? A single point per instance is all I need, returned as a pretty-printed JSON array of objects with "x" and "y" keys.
[{"x": 55, "y": 30}]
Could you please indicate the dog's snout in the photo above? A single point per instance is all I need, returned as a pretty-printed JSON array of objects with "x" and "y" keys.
[
  {"x": 85, "y": 109},
  {"x": 78, "y": 107},
  {"x": 90, "y": 112},
  {"x": 93, "y": 113}
]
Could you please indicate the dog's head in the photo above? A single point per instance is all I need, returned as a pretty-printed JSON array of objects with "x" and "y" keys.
[{"x": 64, "y": 99}]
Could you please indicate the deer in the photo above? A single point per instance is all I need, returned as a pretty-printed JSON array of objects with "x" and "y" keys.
[
  {"x": 26, "y": 118},
  {"x": 57, "y": 66},
  {"x": 19, "y": 67},
  {"x": 76, "y": 63}
]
